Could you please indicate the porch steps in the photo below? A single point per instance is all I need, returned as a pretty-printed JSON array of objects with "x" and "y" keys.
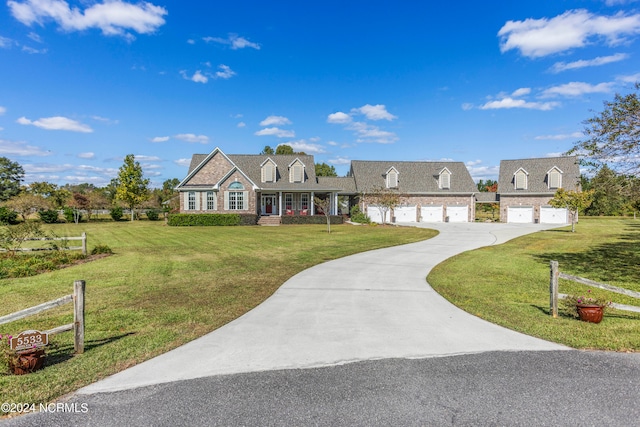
[{"x": 269, "y": 220}]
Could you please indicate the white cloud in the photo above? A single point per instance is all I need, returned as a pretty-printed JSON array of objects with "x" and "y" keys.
[
  {"x": 370, "y": 133},
  {"x": 16, "y": 148},
  {"x": 113, "y": 17},
  {"x": 576, "y": 89},
  {"x": 583, "y": 63},
  {"x": 332, "y": 143},
  {"x": 521, "y": 92},
  {"x": 339, "y": 161},
  {"x": 241, "y": 124},
  {"x": 191, "y": 41},
  {"x": 143, "y": 158},
  {"x": 508, "y": 102},
  {"x": 374, "y": 112},
  {"x": 559, "y": 137},
  {"x": 467, "y": 106},
  {"x": 190, "y": 137},
  {"x": 275, "y": 131},
  {"x": 6, "y": 42},
  {"x": 160, "y": 139},
  {"x": 197, "y": 77},
  {"x": 183, "y": 162},
  {"x": 306, "y": 147},
  {"x": 233, "y": 40},
  {"x": 87, "y": 155},
  {"x": 483, "y": 172},
  {"x": 339, "y": 117},
  {"x": 104, "y": 120},
  {"x": 57, "y": 123},
  {"x": 225, "y": 72},
  {"x": 32, "y": 50},
  {"x": 573, "y": 29},
  {"x": 630, "y": 79},
  {"x": 275, "y": 121},
  {"x": 2, "y": 110}
]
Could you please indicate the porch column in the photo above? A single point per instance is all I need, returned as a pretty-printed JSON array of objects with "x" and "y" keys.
[
  {"x": 279, "y": 203},
  {"x": 335, "y": 203},
  {"x": 313, "y": 204}
]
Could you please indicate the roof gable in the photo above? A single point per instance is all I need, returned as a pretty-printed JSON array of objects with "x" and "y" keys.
[{"x": 537, "y": 170}]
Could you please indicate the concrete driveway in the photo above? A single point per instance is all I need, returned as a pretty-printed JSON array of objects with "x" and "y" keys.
[{"x": 369, "y": 306}]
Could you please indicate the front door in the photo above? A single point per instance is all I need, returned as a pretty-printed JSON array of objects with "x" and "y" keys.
[{"x": 268, "y": 204}]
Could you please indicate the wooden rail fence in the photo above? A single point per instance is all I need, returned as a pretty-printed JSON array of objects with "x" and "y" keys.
[
  {"x": 82, "y": 247},
  {"x": 554, "y": 295},
  {"x": 77, "y": 326}
]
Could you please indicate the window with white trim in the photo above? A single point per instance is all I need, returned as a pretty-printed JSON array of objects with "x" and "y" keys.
[
  {"x": 392, "y": 178},
  {"x": 445, "y": 179},
  {"x": 554, "y": 178},
  {"x": 211, "y": 201},
  {"x": 304, "y": 201},
  {"x": 236, "y": 199},
  {"x": 288, "y": 201},
  {"x": 268, "y": 172},
  {"x": 521, "y": 180},
  {"x": 191, "y": 201},
  {"x": 297, "y": 172}
]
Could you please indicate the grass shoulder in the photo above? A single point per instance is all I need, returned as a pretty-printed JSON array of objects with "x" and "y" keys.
[{"x": 508, "y": 284}]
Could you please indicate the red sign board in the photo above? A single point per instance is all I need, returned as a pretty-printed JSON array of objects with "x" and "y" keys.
[{"x": 29, "y": 339}]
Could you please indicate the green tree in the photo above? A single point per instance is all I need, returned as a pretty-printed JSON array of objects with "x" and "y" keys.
[
  {"x": 11, "y": 175},
  {"x": 27, "y": 203},
  {"x": 58, "y": 196},
  {"x": 489, "y": 185},
  {"x": 384, "y": 199},
  {"x": 267, "y": 150},
  {"x": 325, "y": 205},
  {"x": 132, "y": 188},
  {"x": 284, "y": 149},
  {"x": 574, "y": 201},
  {"x": 323, "y": 169},
  {"x": 613, "y": 136},
  {"x": 609, "y": 190}
]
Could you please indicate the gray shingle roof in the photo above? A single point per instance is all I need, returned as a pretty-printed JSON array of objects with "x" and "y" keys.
[
  {"x": 413, "y": 177},
  {"x": 347, "y": 184},
  {"x": 250, "y": 165},
  {"x": 537, "y": 174}
]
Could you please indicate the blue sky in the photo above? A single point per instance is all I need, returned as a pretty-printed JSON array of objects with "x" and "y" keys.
[{"x": 84, "y": 83}]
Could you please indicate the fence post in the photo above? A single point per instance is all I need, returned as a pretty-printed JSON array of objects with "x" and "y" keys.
[
  {"x": 553, "y": 289},
  {"x": 78, "y": 315},
  {"x": 84, "y": 243}
]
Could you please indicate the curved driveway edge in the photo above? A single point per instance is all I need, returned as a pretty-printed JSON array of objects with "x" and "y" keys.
[{"x": 368, "y": 306}]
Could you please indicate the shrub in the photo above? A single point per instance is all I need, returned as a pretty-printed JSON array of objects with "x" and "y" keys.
[
  {"x": 116, "y": 213},
  {"x": 203, "y": 219},
  {"x": 153, "y": 214},
  {"x": 358, "y": 216},
  {"x": 8, "y": 216},
  {"x": 310, "y": 219},
  {"x": 49, "y": 216},
  {"x": 101, "y": 249},
  {"x": 71, "y": 213}
]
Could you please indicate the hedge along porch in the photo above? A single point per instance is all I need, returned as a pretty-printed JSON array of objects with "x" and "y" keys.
[{"x": 270, "y": 185}]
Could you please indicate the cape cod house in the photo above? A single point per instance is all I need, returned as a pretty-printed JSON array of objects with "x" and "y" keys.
[
  {"x": 269, "y": 185},
  {"x": 526, "y": 186}
]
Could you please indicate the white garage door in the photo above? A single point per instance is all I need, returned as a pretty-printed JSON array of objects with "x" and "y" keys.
[
  {"x": 520, "y": 214},
  {"x": 405, "y": 213},
  {"x": 549, "y": 215},
  {"x": 376, "y": 216},
  {"x": 431, "y": 213},
  {"x": 458, "y": 213}
]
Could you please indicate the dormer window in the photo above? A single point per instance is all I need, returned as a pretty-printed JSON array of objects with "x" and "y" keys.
[
  {"x": 392, "y": 178},
  {"x": 520, "y": 179},
  {"x": 444, "y": 179},
  {"x": 554, "y": 178},
  {"x": 296, "y": 171},
  {"x": 268, "y": 171}
]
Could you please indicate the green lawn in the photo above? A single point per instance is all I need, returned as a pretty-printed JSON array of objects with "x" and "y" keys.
[
  {"x": 163, "y": 287},
  {"x": 509, "y": 284}
]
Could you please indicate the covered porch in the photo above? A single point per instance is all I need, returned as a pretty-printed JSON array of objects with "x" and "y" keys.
[{"x": 280, "y": 203}]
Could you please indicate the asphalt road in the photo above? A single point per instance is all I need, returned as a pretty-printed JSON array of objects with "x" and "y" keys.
[{"x": 548, "y": 388}]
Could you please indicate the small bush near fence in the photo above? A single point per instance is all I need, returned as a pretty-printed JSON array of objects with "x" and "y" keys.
[
  {"x": 101, "y": 249},
  {"x": 8, "y": 216},
  {"x": 49, "y": 216},
  {"x": 116, "y": 213},
  {"x": 314, "y": 219},
  {"x": 212, "y": 219},
  {"x": 153, "y": 215}
]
